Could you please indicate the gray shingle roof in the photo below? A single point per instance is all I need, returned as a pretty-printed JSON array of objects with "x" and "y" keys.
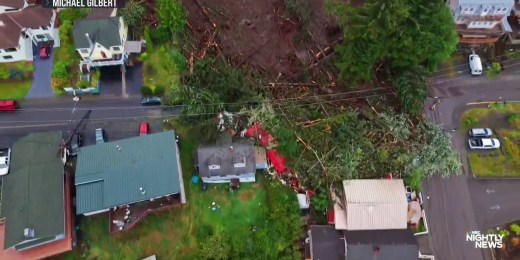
[
  {"x": 226, "y": 158},
  {"x": 33, "y": 191},
  {"x": 392, "y": 244},
  {"x": 103, "y": 31},
  {"x": 327, "y": 243},
  {"x": 107, "y": 176}
]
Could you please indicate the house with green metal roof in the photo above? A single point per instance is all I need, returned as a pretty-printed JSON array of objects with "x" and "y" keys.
[
  {"x": 128, "y": 171},
  {"x": 33, "y": 193}
]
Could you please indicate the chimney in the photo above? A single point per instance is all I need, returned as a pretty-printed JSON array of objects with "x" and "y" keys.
[
  {"x": 90, "y": 43},
  {"x": 28, "y": 233}
]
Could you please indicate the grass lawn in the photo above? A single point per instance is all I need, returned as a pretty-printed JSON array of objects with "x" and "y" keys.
[
  {"x": 15, "y": 89},
  {"x": 159, "y": 69},
  {"x": 174, "y": 234},
  {"x": 504, "y": 120}
]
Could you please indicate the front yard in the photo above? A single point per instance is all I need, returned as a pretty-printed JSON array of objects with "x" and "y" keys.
[
  {"x": 504, "y": 120},
  {"x": 241, "y": 224},
  {"x": 15, "y": 79}
]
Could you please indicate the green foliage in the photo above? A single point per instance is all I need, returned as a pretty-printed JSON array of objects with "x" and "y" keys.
[
  {"x": 73, "y": 14},
  {"x": 378, "y": 32},
  {"x": 4, "y": 73},
  {"x": 60, "y": 70},
  {"x": 300, "y": 9},
  {"x": 172, "y": 16},
  {"x": 83, "y": 84},
  {"x": 321, "y": 201},
  {"x": 504, "y": 233},
  {"x": 216, "y": 247},
  {"x": 133, "y": 14},
  {"x": 179, "y": 60},
  {"x": 514, "y": 120},
  {"x": 412, "y": 89},
  {"x": 470, "y": 121},
  {"x": 515, "y": 228},
  {"x": 514, "y": 54},
  {"x": 148, "y": 39},
  {"x": 414, "y": 180},
  {"x": 159, "y": 90},
  {"x": 495, "y": 70},
  {"x": 146, "y": 91}
]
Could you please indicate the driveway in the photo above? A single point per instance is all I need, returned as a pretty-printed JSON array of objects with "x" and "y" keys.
[
  {"x": 111, "y": 84},
  {"x": 461, "y": 203},
  {"x": 41, "y": 83}
]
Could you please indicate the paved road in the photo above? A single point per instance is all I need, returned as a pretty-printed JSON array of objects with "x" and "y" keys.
[
  {"x": 119, "y": 117},
  {"x": 460, "y": 203},
  {"x": 41, "y": 84}
]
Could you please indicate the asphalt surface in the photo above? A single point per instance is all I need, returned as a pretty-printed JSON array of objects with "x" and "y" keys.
[
  {"x": 41, "y": 83},
  {"x": 119, "y": 117},
  {"x": 110, "y": 80},
  {"x": 461, "y": 203}
]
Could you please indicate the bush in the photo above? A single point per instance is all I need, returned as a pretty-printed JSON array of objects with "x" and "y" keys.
[
  {"x": 146, "y": 91},
  {"x": 470, "y": 122},
  {"x": 495, "y": 69},
  {"x": 60, "y": 70},
  {"x": 83, "y": 84},
  {"x": 159, "y": 90},
  {"x": 4, "y": 73},
  {"x": 148, "y": 39},
  {"x": 514, "y": 120}
]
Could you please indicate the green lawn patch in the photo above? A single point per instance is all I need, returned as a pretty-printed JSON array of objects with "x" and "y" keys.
[
  {"x": 14, "y": 89},
  {"x": 503, "y": 119},
  {"x": 182, "y": 233},
  {"x": 159, "y": 68}
]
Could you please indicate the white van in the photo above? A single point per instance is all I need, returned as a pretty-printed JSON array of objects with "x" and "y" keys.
[{"x": 475, "y": 65}]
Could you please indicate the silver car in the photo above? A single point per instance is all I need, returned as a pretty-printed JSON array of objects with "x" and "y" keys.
[{"x": 480, "y": 132}]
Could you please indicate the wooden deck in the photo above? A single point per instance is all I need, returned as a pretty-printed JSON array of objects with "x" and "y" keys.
[{"x": 138, "y": 211}]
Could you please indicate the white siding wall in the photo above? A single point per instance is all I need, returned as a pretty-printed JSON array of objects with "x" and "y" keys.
[{"x": 23, "y": 52}]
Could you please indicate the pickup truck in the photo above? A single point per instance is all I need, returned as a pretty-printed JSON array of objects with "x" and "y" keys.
[{"x": 483, "y": 143}]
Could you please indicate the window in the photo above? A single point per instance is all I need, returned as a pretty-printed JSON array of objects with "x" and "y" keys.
[
  {"x": 103, "y": 54},
  {"x": 10, "y": 50},
  {"x": 8, "y": 57},
  {"x": 116, "y": 48},
  {"x": 44, "y": 28},
  {"x": 84, "y": 51},
  {"x": 40, "y": 36},
  {"x": 24, "y": 35}
]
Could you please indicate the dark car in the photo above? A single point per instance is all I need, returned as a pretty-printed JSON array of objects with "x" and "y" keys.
[
  {"x": 151, "y": 101},
  {"x": 45, "y": 51},
  {"x": 75, "y": 143},
  {"x": 144, "y": 128},
  {"x": 8, "y": 105}
]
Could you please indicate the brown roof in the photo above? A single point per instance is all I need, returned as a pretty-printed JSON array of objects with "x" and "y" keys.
[
  {"x": 12, "y": 3},
  {"x": 32, "y": 16},
  {"x": 12, "y": 23},
  {"x": 9, "y": 32}
]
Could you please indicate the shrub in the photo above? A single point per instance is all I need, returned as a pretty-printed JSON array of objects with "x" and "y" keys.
[
  {"x": 148, "y": 39},
  {"x": 143, "y": 56},
  {"x": 495, "y": 69},
  {"x": 4, "y": 73},
  {"x": 514, "y": 120},
  {"x": 159, "y": 90},
  {"x": 83, "y": 84},
  {"x": 60, "y": 70},
  {"x": 146, "y": 91},
  {"x": 470, "y": 122},
  {"x": 516, "y": 228}
]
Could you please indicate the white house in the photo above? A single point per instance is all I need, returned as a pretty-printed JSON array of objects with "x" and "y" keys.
[
  {"x": 20, "y": 31},
  {"x": 221, "y": 163},
  {"x": 101, "y": 42},
  {"x": 14, "y": 5}
]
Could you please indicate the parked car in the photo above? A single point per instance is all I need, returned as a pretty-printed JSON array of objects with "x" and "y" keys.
[
  {"x": 151, "y": 101},
  {"x": 101, "y": 136},
  {"x": 484, "y": 143},
  {"x": 144, "y": 128},
  {"x": 480, "y": 132},
  {"x": 5, "y": 158},
  {"x": 8, "y": 105},
  {"x": 75, "y": 143},
  {"x": 475, "y": 64},
  {"x": 45, "y": 51}
]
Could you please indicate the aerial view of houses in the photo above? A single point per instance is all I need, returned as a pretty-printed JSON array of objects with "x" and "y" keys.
[{"x": 283, "y": 129}]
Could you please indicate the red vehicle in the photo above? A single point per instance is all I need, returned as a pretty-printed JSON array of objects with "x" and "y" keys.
[
  {"x": 45, "y": 51},
  {"x": 144, "y": 128},
  {"x": 8, "y": 105}
]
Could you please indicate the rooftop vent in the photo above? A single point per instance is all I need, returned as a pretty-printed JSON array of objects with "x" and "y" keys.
[
  {"x": 28, "y": 233},
  {"x": 142, "y": 190}
]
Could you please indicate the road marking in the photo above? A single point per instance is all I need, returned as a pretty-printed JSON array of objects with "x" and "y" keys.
[
  {"x": 29, "y": 126},
  {"x": 490, "y": 191},
  {"x": 479, "y": 103},
  {"x": 497, "y": 207}
]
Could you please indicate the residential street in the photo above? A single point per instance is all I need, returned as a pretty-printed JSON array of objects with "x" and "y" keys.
[
  {"x": 120, "y": 118},
  {"x": 461, "y": 203}
]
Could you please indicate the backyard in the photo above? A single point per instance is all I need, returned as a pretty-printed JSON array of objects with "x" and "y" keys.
[
  {"x": 504, "y": 120},
  {"x": 197, "y": 231}
]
